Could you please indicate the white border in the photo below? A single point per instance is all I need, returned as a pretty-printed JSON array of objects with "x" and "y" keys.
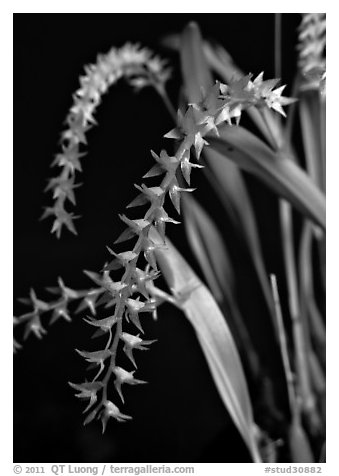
[{"x": 6, "y": 191}]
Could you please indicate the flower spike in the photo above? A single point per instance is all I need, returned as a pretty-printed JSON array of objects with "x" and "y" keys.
[
  {"x": 218, "y": 104},
  {"x": 140, "y": 67}
]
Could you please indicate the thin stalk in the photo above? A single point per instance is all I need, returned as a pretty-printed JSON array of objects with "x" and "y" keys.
[
  {"x": 318, "y": 376},
  {"x": 305, "y": 258},
  {"x": 277, "y": 45},
  {"x": 299, "y": 445},
  {"x": 284, "y": 350},
  {"x": 243, "y": 335},
  {"x": 291, "y": 118},
  {"x": 322, "y": 114},
  {"x": 298, "y": 329},
  {"x": 312, "y": 120},
  {"x": 310, "y": 128},
  {"x": 289, "y": 258},
  {"x": 317, "y": 330},
  {"x": 322, "y": 125}
]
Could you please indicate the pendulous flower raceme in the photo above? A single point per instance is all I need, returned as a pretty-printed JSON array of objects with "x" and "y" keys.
[
  {"x": 141, "y": 68},
  {"x": 134, "y": 294}
]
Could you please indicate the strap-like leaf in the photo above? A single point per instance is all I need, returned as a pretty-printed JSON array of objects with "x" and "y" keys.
[
  {"x": 196, "y": 74},
  {"x": 300, "y": 448},
  {"x": 212, "y": 255},
  {"x": 310, "y": 110},
  {"x": 229, "y": 184},
  {"x": 209, "y": 248},
  {"x": 214, "y": 336},
  {"x": 282, "y": 175}
]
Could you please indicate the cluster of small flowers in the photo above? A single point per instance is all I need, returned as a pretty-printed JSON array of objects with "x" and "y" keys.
[
  {"x": 141, "y": 68},
  {"x": 312, "y": 43},
  {"x": 221, "y": 103},
  {"x": 135, "y": 293},
  {"x": 57, "y": 309}
]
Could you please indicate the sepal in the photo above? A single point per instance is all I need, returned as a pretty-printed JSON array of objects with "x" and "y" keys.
[
  {"x": 122, "y": 376},
  {"x": 105, "y": 324},
  {"x": 112, "y": 411},
  {"x": 133, "y": 342},
  {"x": 87, "y": 390},
  {"x": 121, "y": 259}
]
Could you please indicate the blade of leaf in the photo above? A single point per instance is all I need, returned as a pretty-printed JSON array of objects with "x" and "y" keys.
[
  {"x": 307, "y": 297},
  {"x": 195, "y": 72},
  {"x": 317, "y": 328},
  {"x": 201, "y": 256},
  {"x": 309, "y": 110},
  {"x": 287, "y": 238},
  {"x": 317, "y": 374},
  {"x": 208, "y": 245},
  {"x": 214, "y": 336},
  {"x": 196, "y": 75},
  {"x": 274, "y": 168},
  {"x": 212, "y": 255},
  {"x": 312, "y": 127},
  {"x": 234, "y": 196},
  {"x": 308, "y": 399},
  {"x": 299, "y": 445}
]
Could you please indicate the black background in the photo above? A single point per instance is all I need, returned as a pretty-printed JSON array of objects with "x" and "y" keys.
[{"x": 178, "y": 416}]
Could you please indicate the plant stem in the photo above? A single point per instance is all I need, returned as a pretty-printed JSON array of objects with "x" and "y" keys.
[
  {"x": 283, "y": 348},
  {"x": 277, "y": 45},
  {"x": 305, "y": 263},
  {"x": 289, "y": 258},
  {"x": 299, "y": 330}
]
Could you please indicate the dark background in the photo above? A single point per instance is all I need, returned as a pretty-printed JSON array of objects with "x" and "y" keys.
[{"x": 178, "y": 416}]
